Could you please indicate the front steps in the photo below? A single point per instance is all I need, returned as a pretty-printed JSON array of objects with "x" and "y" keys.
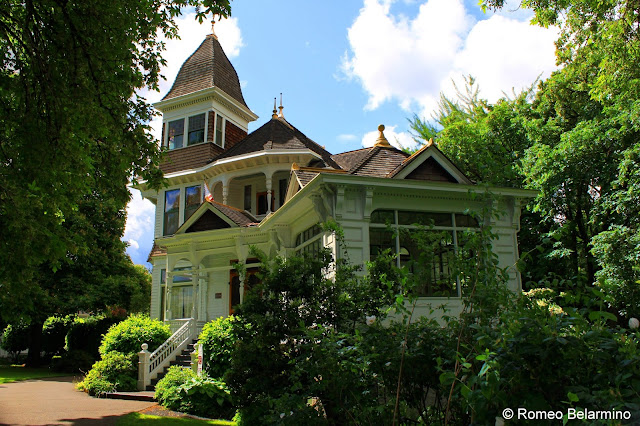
[{"x": 183, "y": 360}]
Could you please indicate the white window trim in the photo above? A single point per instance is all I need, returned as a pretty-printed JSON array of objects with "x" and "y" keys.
[
  {"x": 185, "y": 134},
  {"x": 395, "y": 227}
]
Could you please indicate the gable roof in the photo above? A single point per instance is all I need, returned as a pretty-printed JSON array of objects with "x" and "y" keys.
[
  {"x": 223, "y": 217},
  {"x": 276, "y": 133},
  {"x": 207, "y": 67},
  {"x": 429, "y": 163}
]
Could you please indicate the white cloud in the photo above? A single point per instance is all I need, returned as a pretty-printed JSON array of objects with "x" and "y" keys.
[
  {"x": 398, "y": 139},
  {"x": 345, "y": 137},
  {"x": 410, "y": 60},
  {"x": 139, "y": 225}
]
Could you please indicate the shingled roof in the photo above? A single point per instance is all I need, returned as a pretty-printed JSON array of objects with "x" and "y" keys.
[
  {"x": 207, "y": 67},
  {"x": 277, "y": 134},
  {"x": 378, "y": 162}
]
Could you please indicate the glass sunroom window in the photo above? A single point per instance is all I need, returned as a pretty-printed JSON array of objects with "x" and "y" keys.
[
  {"x": 176, "y": 134},
  {"x": 171, "y": 211},
  {"x": 428, "y": 254},
  {"x": 196, "y": 129}
]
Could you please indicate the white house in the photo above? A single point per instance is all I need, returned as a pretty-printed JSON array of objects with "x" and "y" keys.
[{"x": 271, "y": 188}]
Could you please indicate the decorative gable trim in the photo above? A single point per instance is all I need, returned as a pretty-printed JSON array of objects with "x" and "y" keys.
[
  {"x": 195, "y": 217},
  {"x": 429, "y": 160}
]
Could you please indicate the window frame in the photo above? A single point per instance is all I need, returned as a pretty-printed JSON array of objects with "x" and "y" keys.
[
  {"x": 186, "y": 198},
  {"x": 185, "y": 129},
  {"x": 189, "y": 131},
  {"x": 309, "y": 244},
  {"x": 395, "y": 228},
  {"x": 164, "y": 218}
]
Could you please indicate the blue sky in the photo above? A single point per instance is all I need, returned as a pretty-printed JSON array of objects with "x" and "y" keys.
[{"x": 346, "y": 66}]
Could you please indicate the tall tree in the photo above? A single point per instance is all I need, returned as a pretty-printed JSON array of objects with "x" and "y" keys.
[{"x": 73, "y": 132}]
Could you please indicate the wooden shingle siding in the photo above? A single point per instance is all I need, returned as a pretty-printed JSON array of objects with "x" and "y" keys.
[
  {"x": 432, "y": 171},
  {"x": 233, "y": 134},
  {"x": 190, "y": 157}
]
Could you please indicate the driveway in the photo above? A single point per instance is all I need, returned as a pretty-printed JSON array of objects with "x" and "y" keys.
[{"x": 55, "y": 401}]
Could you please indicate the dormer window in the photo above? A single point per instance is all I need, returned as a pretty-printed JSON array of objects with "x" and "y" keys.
[{"x": 196, "y": 129}]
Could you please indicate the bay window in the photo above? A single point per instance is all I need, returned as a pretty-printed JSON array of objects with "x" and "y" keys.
[
  {"x": 171, "y": 211},
  {"x": 193, "y": 199}
]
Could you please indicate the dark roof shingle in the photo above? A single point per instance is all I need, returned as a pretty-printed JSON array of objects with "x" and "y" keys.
[
  {"x": 207, "y": 67},
  {"x": 277, "y": 134},
  {"x": 379, "y": 162}
]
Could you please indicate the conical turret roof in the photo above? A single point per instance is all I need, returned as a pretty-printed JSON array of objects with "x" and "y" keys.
[{"x": 207, "y": 67}]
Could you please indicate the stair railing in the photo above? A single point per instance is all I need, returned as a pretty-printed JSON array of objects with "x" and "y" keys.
[{"x": 150, "y": 364}]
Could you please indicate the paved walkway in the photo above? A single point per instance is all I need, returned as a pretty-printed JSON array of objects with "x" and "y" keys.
[{"x": 54, "y": 401}]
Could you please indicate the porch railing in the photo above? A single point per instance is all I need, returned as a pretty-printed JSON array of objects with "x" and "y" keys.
[{"x": 150, "y": 364}]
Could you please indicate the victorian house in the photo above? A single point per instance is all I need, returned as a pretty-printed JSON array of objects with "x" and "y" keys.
[{"x": 271, "y": 188}]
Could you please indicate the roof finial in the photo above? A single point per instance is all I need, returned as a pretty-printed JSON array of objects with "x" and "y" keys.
[
  {"x": 281, "y": 115},
  {"x": 275, "y": 113},
  {"x": 382, "y": 141},
  {"x": 213, "y": 23}
]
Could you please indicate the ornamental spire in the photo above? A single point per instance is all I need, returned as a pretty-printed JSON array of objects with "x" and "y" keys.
[
  {"x": 281, "y": 115},
  {"x": 382, "y": 141},
  {"x": 275, "y": 113}
]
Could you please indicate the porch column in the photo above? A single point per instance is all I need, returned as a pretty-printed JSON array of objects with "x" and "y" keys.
[
  {"x": 167, "y": 295},
  {"x": 241, "y": 277},
  {"x": 225, "y": 191},
  {"x": 195, "y": 275},
  {"x": 269, "y": 181}
]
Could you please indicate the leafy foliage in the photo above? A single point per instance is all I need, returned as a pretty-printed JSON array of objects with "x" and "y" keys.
[
  {"x": 218, "y": 339},
  {"x": 167, "y": 389},
  {"x": 127, "y": 336},
  {"x": 15, "y": 339},
  {"x": 73, "y": 133},
  {"x": 181, "y": 390},
  {"x": 115, "y": 371},
  {"x": 86, "y": 334},
  {"x": 54, "y": 332}
]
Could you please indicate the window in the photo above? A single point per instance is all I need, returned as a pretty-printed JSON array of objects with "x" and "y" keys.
[
  {"x": 196, "y": 129},
  {"x": 282, "y": 188},
  {"x": 247, "y": 198},
  {"x": 181, "y": 295},
  {"x": 427, "y": 254},
  {"x": 171, "y": 211},
  {"x": 219, "y": 130},
  {"x": 176, "y": 134},
  {"x": 309, "y": 241},
  {"x": 193, "y": 199}
]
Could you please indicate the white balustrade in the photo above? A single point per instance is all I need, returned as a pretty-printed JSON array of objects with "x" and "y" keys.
[{"x": 151, "y": 364}]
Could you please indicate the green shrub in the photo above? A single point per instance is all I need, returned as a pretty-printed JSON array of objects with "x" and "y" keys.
[
  {"x": 73, "y": 362},
  {"x": 167, "y": 389},
  {"x": 86, "y": 334},
  {"x": 54, "y": 332},
  {"x": 128, "y": 336},
  {"x": 114, "y": 372},
  {"x": 15, "y": 339},
  {"x": 218, "y": 339},
  {"x": 181, "y": 390}
]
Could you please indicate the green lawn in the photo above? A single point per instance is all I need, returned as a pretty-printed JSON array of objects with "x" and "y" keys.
[
  {"x": 138, "y": 418},
  {"x": 14, "y": 373}
]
